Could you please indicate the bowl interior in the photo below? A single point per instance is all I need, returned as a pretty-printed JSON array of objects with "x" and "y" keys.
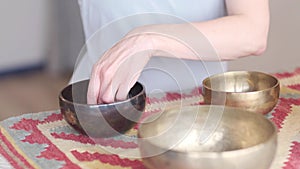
[
  {"x": 77, "y": 93},
  {"x": 191, "y": 129},
  {"x": 240, "y": 81}
]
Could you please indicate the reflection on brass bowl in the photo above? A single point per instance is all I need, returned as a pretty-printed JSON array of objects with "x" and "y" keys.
[
  {"x": 101, "y": 120},
  {"x": 254, "y": 91},
  {"x": 208, "y": 137}
]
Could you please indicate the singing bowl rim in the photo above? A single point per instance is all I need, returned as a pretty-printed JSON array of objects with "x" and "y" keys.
[
  {"x": 221, "y": 154},
  {"x": 207, "y": 79},
  {"x": 128, "y": 99}
]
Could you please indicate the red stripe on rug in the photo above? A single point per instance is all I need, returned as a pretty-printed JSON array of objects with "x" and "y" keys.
[
  {"x": 280, "y": 112},
  {"x": 282, "y": 109},
  {"x": 12, "y": 159},
  {"x": 9, "y": 158},
  {"x": 287, "y": 74},
  {"x": 53, "y": 117},
  {"x": 150, "y": 100},
  {"x": 101, "y": 141},
  {"x": 295, "y": 87},
  {"x": 172, "y": 96},
  {"x": 111, "y": 159},
  {"x": 51, "y": 152},
  {"x": 284, "y": 75},
  {"x": 294, "y": 159}
]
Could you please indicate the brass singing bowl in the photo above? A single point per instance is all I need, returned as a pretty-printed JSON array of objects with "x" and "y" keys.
[
  {"x": 207, "y": 137},
  {"x": 254, "y": 91},
  {"x": 101, "y": 120}
]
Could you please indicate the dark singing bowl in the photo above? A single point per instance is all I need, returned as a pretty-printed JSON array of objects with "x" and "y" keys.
[
  {"x": 101, "y": 120},
  {"x": 253, "y": 91}
]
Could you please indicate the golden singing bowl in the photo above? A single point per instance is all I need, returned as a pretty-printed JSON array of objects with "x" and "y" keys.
[
  {"x": 254, "y": 91},
  {"x": 207, "y": 137}
]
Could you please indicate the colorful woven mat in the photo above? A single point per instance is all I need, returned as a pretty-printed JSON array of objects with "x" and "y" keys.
[{"x": 45, "y": 140}]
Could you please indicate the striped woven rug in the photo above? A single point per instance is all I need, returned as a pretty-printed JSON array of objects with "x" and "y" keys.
[{"x": 45, "y": 140}]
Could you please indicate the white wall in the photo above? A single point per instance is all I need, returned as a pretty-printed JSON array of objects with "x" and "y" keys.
[
  {"x": 36, "y": 31},
  {"x": 24, "y": 29},
  {"x": 283, "y": 53}
]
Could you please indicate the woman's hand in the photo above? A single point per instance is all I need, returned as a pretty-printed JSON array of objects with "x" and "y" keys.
[{"x": 119, "y": 68}]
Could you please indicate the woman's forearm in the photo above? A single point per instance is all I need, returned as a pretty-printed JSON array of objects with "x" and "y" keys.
[{"x": 242, "y": 33}]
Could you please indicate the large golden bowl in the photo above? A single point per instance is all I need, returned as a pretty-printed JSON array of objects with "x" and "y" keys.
[
  {"x": 207, "y": 137},
  {"x": 254, "y": 91}
]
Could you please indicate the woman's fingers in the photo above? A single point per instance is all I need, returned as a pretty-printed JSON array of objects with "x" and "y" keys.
[
  {"x": 118, "y": 70},
  {"x": 124, "y": 89},
  {"x": 94, "y": 86}
]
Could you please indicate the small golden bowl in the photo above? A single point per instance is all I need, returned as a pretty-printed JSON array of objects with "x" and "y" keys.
[
  {"x": 208, "y": 137},
  {"x": 253, "y": 91}
]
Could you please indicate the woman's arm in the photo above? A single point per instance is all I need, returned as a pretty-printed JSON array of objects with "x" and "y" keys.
[{"x": 243, "y": 32}]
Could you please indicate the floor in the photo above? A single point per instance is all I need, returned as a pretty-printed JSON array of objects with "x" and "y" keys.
[{"x": 30, "y": 92}]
